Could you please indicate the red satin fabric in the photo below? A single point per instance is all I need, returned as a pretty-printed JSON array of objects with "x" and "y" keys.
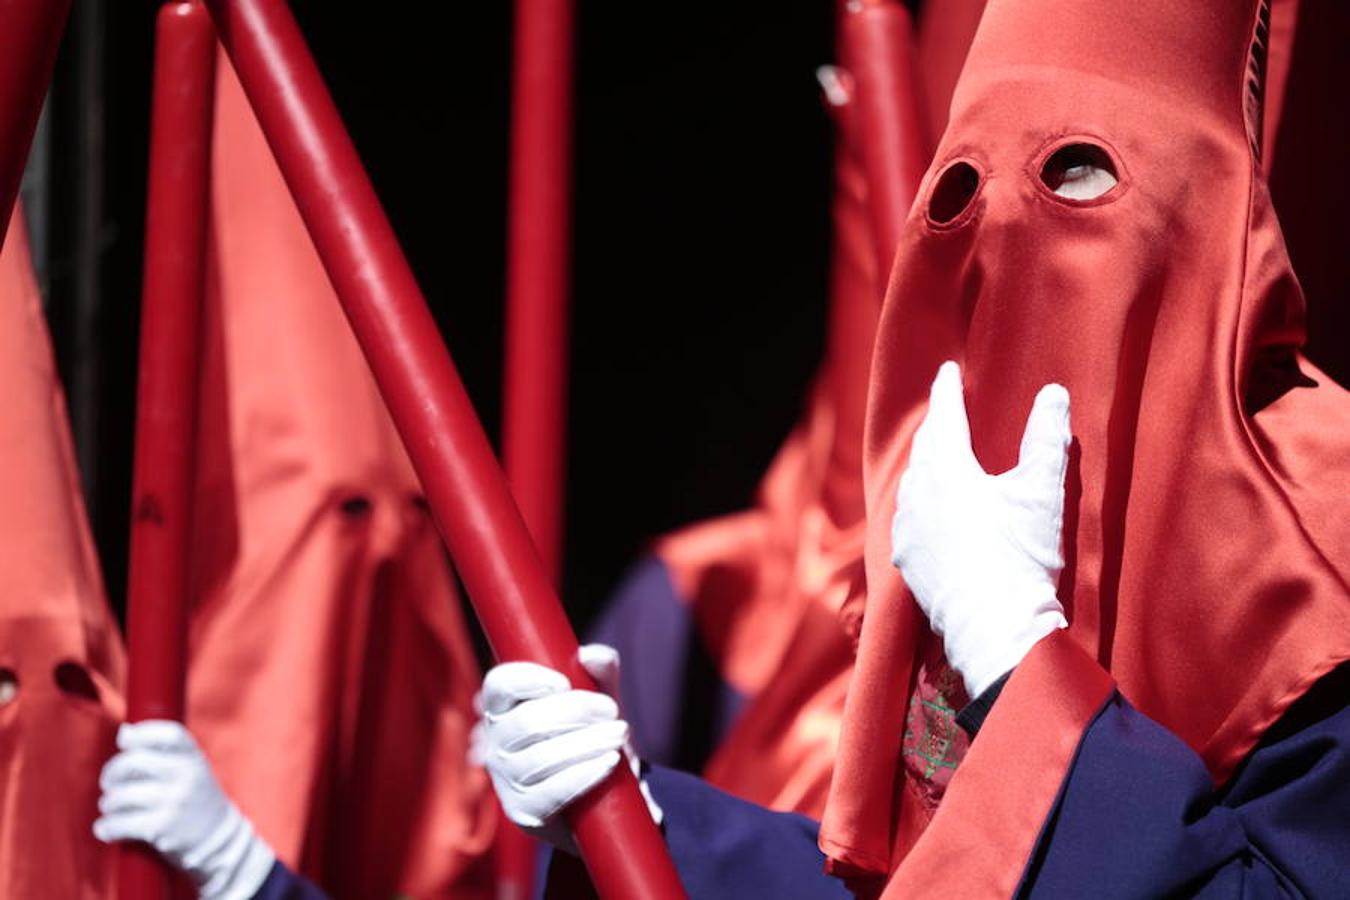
[
  {"x": 331, "y": 675},
  {"x": 57, "y": 636},
  {"x": 1205, "y": 538}
]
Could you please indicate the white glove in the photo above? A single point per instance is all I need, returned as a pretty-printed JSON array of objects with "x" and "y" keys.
[
  {"x": 982, "y": 552},
  {"x": 545, "y": 745},
  {"x": 159, "y": 789}
]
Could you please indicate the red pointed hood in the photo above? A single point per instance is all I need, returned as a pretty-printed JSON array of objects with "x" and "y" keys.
[
  {"x": 331, "y": 673},
  {"x": 1201, "y": 529}
]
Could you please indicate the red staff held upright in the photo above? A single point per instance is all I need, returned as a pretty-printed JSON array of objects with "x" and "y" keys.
[
  {"x": 166, "y": 423},
  {"x": 538, "y": 245},
  {"x": 538, "y": 270}
]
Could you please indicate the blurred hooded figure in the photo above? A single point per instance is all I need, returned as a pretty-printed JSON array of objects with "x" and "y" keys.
[
  {"x": 751, "y": 691},
  {"x": 61, "y": 658}
]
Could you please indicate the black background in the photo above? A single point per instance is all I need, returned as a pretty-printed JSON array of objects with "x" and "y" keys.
[{"x": 702, "y": 176}]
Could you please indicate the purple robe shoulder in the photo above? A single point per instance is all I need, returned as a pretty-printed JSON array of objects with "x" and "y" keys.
[
  {"x": 722, "y": 846},
  {"x": 283, "y": 884},
  {"x": 678, "y": 704},
  {"x": 1136, "y": 816},
  {"x": 1139, "y": 816}
]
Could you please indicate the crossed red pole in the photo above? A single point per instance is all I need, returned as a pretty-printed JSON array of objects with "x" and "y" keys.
[
  {"x": 512, "y": 593},
  {"x": 538, "y": 274},
  {"x": 166, "y": 394},
  {"x": 877, "y": 45}
]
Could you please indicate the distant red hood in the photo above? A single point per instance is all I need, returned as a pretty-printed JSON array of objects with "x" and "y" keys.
[
  {"x": 331, "y": 676},
  {"x": 58, "y": 640}
]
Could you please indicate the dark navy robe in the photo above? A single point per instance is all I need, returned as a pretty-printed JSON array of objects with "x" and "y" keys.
[
  {"x": 283, "y": 884},
  {"x": 1137, "y": 816}
]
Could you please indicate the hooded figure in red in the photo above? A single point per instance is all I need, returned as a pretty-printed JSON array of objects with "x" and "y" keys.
[
  {"x": 1206, "y": 549},
  {"x": 331, "y": 674},
  {"x": 61, "y": 659}
]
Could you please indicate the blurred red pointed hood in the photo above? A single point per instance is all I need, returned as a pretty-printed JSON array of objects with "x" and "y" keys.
[
  {"x": 331, "y": 673},
  {"x": 61, "y": 657}
]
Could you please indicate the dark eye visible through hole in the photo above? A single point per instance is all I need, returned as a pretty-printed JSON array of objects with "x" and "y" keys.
[
  {"x": 355, "y": 506},
  {"x": 953, "y": 192},
  {"x": 9, "y": 686},
  {"x": 1079, "y": 172},
  {"x": 73, "y": 679}
]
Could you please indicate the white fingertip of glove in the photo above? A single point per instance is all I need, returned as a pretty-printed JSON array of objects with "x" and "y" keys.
[
  {"x": 544, "y": 744},
  {"x": 159, "y": 789},
  {"x": 981, "y": 552},
  {"x": 603, "y": 664}
]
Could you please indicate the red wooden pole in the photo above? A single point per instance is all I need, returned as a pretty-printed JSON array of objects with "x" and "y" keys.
[
  {"x": 538, "y": 269},
  {"x": 166, "y": 397},
  {"x": 877, "y": 45},
  {"x": 30, "y": 33},
  {"x": 538, "y": 244},
  {"x": 512, "y": 594}
]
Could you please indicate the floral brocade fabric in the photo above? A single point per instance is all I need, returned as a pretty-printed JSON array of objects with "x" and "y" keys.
[{"x": 933, "y": 743}]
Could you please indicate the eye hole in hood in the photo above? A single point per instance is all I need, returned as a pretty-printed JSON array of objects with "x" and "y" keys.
[
  {"x": 1080, "y": 172},
  {"x": 74, "y": 681},
  {"x": 9, "y": 686},
  {"x": 955, "y": 188}
]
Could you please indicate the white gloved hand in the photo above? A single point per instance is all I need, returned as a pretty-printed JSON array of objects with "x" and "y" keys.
[
  {"x": 159, "y": 789},
  {"x": 545, "y": 745},
  {"x": 982, "y": 552}
]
